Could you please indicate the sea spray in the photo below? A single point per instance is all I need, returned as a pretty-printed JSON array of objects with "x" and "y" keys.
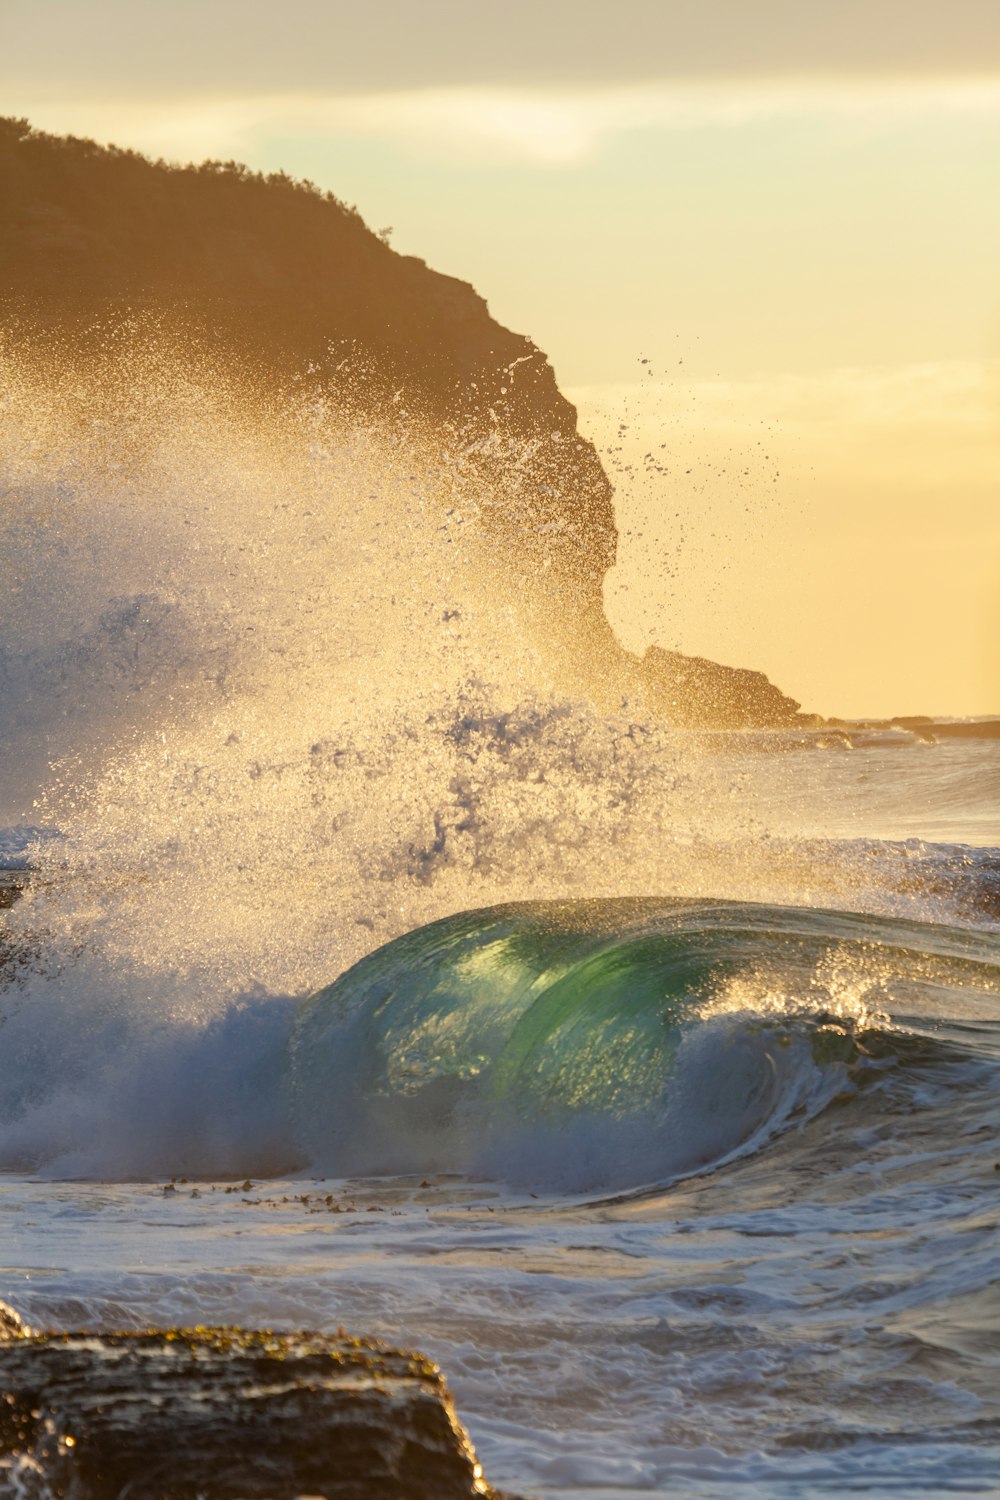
[{"x": 272, "y": 699}]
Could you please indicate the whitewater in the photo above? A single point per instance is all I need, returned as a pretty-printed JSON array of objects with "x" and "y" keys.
[{"x": 362, "y": 965}]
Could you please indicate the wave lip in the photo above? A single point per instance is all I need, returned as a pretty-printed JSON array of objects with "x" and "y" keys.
[{"x": 594, "y": 1045}]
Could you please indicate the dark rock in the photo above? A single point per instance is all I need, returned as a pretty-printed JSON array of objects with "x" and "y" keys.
[
  {"x": 12, "y": 883},
  {"x": 14, "y": 954},
  {"x": 12, "y": 1325},
  {"x": 695, "y": 692},
  {"x": 224, "y": 1412},
  {"x": 967, "y": 729}
]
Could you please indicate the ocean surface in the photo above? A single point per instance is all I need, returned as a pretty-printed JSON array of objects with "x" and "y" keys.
[{"x": 351, "y": 975}]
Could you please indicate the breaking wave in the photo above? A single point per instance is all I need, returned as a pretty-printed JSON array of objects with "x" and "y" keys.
[
  {"x": 606, "y": 1044},
  {"x": 271, "y": 703},
  {"x": 577, "y": 1047}
]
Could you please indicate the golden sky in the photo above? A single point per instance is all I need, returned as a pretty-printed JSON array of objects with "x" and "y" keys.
[{"x": 790, "y": 208}]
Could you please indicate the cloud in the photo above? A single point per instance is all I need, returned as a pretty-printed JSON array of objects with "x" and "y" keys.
[
  {"x": 553, "y": 127},
  {"x": 558, "y": 127},
  {"x": 392, "y": 46},
  {"x": 955, "y": 394}
]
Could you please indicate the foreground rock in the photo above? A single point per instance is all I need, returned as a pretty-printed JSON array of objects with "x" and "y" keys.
[{"x": 224, "y": 1412}]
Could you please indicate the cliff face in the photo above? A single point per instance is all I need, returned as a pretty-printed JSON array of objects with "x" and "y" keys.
[{"x": 287, "y": 277}]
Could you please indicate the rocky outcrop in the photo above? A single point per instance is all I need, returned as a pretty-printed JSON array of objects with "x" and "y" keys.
[
  {"x": 12, "y": 1325},
  {"x": 697, "y": 693},
  {"x": 228, "y": 1413},
  {"x": 289, "y": 279}
]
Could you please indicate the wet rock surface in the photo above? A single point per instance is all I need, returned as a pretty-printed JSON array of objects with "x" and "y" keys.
[{"x": 226, "y": 1412}]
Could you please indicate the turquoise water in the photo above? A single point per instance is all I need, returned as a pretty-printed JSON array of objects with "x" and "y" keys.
[{"x": 608, "y": 1044}]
